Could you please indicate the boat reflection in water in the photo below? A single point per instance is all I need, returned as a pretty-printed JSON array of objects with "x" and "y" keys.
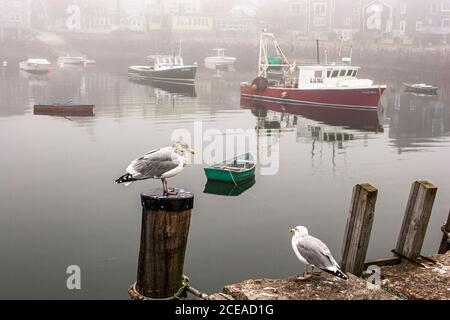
[
  {"x": 350, "y": 119},
  {"x": 36, "y": 80},
  {"x": 229, "y": 189},
  {"x": 171, "y": 88}
]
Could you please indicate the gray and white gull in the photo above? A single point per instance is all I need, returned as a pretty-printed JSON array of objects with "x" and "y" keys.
[
  {"x": 161, "y": 164},
  {"x": 313, "y": 252}
]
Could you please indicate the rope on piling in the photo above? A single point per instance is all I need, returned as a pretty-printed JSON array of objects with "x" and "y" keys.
[{"x": 135, "y": 295}]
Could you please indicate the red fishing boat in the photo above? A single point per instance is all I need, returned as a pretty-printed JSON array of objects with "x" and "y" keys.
[
  {"x": 65, "y": 109},
  {"x": 331, "y": 86}
]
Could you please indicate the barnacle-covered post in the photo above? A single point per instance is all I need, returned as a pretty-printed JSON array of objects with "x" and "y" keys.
[{"x": 165, "y": 229}]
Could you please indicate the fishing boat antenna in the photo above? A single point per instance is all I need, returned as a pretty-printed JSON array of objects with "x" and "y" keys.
[
  {"x": 351, "y": 54},
  {"x": 318, "y": 51}
]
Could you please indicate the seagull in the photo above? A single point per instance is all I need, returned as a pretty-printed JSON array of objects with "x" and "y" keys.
[
  {"x": 161, "y": 164},
  {"x": 313, "y": 252}
]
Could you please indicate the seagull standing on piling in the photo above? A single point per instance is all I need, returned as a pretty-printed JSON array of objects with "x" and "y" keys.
[
  {"x": 158, "y": 164},
  {"x": 313, "y": 252}
]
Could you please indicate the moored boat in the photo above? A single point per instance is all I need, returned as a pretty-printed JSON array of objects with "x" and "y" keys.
[
  {"x": 75, "y": 60},
  {"x": 68, "y": 108},
  {"x": 41, "y": 66},
  {"x": 421, "y": 88},
  {"x": 219, "y": 61},
  {"x": 234, "y": 171},
  {"x": 164, "y": 68},
  {"x": 322, "y": 86}
]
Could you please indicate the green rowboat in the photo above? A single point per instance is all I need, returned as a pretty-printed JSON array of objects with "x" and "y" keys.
[{"x": 234, "y": 171}]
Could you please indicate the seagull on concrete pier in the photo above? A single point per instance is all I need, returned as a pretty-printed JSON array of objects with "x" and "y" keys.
[
  {"x": 161, "y": 164},
  {"x": 313, "y": 252}
]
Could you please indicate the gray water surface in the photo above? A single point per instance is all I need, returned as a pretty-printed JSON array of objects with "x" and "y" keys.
[{"x": 60, "y": 207}]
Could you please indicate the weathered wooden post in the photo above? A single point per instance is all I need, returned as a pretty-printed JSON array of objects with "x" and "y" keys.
[
  {"x": 359, "y": 228},
  {"x": 415, "y": 222},
  {"x": 165, "y": 230},
  {"x": 445, "y": 244}
]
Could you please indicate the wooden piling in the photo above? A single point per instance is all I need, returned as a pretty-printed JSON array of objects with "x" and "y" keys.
[
  {"x": 359, "y": 228},
  {"x": 165, "y": 230},
  {"x": 417, "y": 217},
  {"x": 445, "y": 244}
]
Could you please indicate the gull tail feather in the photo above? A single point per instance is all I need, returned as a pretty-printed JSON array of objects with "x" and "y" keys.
[
  {"x": 338, "y": 273},
  {"x": 126, "y": 179}
]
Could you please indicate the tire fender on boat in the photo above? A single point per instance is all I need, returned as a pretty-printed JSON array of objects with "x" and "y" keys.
[{"x": 260, "y": 84}]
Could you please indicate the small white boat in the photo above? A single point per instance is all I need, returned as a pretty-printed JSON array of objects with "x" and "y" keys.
[
  {"x": 421, "y": 88},
  {"x": 74, "y": 60},
  {"x": 35, "y": 65},
  {"x": 219, "y": 61}
]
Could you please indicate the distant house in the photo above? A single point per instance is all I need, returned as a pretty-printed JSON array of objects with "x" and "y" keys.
[
  {"x": 347, "y": 18},
  {"x": 14, "y": 17},
  {"x": 320, "y": 16},
  {"x": 297, "y": 17},
  {"x": 239, "y": 20},
  {"x": 312, "y": 18},
  {"x": 419, "y": 19}
]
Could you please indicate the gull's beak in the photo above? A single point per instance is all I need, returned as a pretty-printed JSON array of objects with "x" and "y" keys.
[{"x": 292, "y": 230}]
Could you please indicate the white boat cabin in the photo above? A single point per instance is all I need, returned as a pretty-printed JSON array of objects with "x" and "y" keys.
[
  {"x": 43, "y": 62},
  {"x": 164, "y": 61},
  {"x": 332, "y": 75}
]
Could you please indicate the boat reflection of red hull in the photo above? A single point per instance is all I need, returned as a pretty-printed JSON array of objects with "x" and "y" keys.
[
  {"x": 366, "y": 99},
  {"x": 354, "y": 119},
  {"x": 64, "y": 109}
]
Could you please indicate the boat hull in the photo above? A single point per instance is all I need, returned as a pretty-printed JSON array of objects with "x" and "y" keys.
[
  {"x": 64, "y": 110},
  {"x": 35, "y": 70},
  {"x": 177, "y": 75},
  {"x": 367, "y": 98},
  {"x": 229, "y": 176}
]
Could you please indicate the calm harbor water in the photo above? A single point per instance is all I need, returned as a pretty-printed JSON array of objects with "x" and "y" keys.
[{"x": 60, "y": 207}]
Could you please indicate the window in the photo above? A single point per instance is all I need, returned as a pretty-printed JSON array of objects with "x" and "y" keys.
[
  {"x": 403, "y": 8},
  {"x": 14, "y": 17},
  {"x": 320, "y": 9},
  {"x": 335, "y": 74},
  {"x": 348, "y": 22},
  {"x": 419, "y": 26},
  {"x": 342, "y": 73},
  {"x": 297, "y": 8},
  {"x": 14, "y": 3},
  {"x": 402, "y": 27},
  {"x": 349, "y": 73},
  {"x": 329, "y": 73},
  {"x": 446, "y": 23},
  {"x": 355, "y": 73},
  {"x": 434, "y": 8}
]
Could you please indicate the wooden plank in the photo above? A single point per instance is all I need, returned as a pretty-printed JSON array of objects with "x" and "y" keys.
[
  {"x": 445, "y": 244},
  {"x": 417, "y": 216},
  {"x": 359, "y": 228},
  {"x": 383, "y": 262}
]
